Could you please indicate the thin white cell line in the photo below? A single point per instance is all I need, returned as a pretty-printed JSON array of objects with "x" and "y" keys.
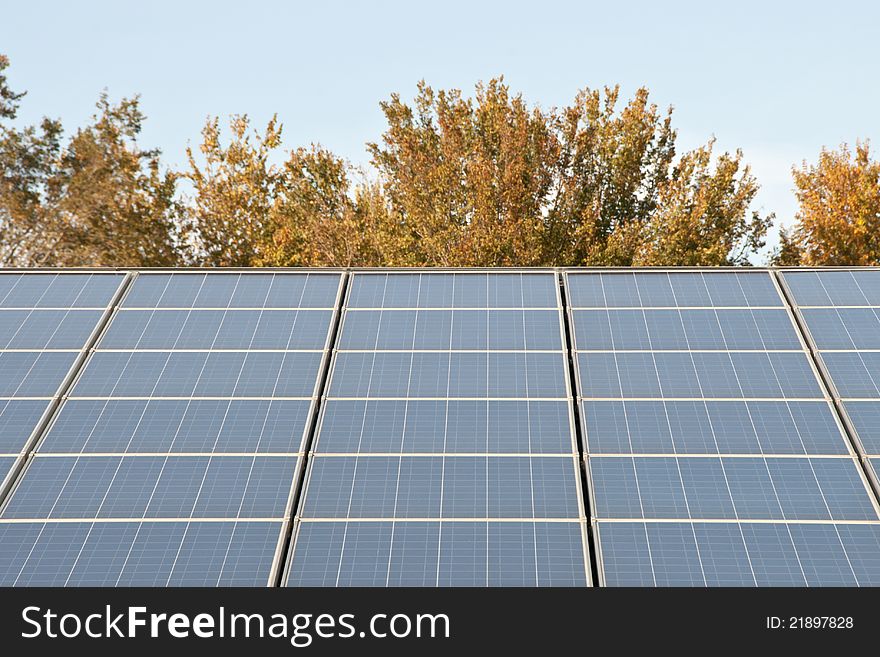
[
  {"x": 61, "y": 521},
  {"x": 848, "y": 351},
  {"x": 840, "y": 306},
  {"x": 717, "y": 455},
  {"x": 55, "y": 308},
  {"x": 215, "y": 350},
  {"x": 4, "y": 399},
  {"x": 160, "y": 398},
  {"x": 571, "y": 520},
  {"x": 731, "y": 521},
  {"x": 637, "y": 308},
  {"x": 452, "y": 309},
  {"x": 693, "y": 351},
  {"x": 134, "y": 455},
  {"x": 18, "y": 350},
  {"x": 419, "y": 351},
  {"x": 161, "y": 309},
  {"x": 698, "y": 399},
  {"x": 542, "y": 455}
]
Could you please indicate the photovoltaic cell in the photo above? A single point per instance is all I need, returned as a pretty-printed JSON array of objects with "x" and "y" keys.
[
  {"x": 701, "y": 412},
  {"x": 192, "y": 410},
  {"x": 445, "y": 452}
]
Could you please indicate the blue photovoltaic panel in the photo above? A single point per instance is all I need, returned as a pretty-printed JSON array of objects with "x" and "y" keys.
[
  {"x": 58, "y": 290},
  {"x": 743, "y": 488},
  {"x": 233, "y": 290},
  {"x": 451, "y": 426},
  {"x": 137, "y": 553},
  {"x": 153, "y": 487},
  {"x": 636, "y": 289},
  {"x": 192, "y": 410},
  {"x": 739, "y": 554},
  {"x": 145, "y": 426},
  {"x": 712, "y": 427},
  {"x": 453, "y": 290},
  {"x": 40, "y": 312},
  {"x": 841, "y": 312},
  {"x": 438, "y": 554},
  {"x": 441, "y": 487},
  {"x": 445, "y": 453},
  {"x": 701, "y": 411}
]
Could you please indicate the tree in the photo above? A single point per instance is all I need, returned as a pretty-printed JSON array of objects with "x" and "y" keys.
[
  {"x": 111, "y": 202},
  {"x": 491, "y": 182},
  {"x": 466, "y": 181},
  {"x": 233, "y": 194},
  {"x": 99, "y": 200},
  {"x": 249, "y": 211},
  {"x": 838, "y": 221},
  {"x": 702, "y": 215},
  {"x": 321, "y": 219}
]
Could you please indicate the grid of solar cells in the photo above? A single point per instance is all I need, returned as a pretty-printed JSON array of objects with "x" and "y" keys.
[
  {"x": 445, "y": 453},
  {"x": 709, "y": 439},
  {"x": 46, "y": 320},
  {"x": 841, "y": 312},
  {"x": 174, "y": 458}
]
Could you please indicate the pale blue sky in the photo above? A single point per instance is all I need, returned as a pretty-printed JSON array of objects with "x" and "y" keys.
[{"x": 779, "y": 79}]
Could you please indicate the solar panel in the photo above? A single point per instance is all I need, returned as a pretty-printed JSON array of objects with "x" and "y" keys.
[
  {"x": 445, "y": 452},
  {"x": 420, "y": 428},
  {"x": 174, "y": 458},
  {"x": 710, "y": 441},
  {"x": 46, "y": 321},
  {"x": 840, "y": 310}
]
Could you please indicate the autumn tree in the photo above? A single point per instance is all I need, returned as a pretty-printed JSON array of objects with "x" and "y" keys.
[
  {"x": 28, "y": 159},
  {"x": 466, "y": 180},
  {"x": 251, "y": 207},
  {"x": 490, "y": 181},
  {"x": 234, "y": 190},
  {"x": 838, "y": 220},
  {"x": 99, "y": 199}
]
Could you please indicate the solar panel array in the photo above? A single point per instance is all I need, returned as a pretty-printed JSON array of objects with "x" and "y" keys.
[
  {"x": 446, "y": 453},
  {"x": 840, "y": 310},
  {"x": 174, "y": 457},
  {"x": 713, "y": 452},
  {"x": 440, "y": 427}
]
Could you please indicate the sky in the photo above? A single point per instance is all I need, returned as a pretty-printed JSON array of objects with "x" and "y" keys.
[{"x": 777, "y": 79}]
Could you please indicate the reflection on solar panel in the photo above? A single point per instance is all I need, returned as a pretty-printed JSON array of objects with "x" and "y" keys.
[
  {"x": 840, "y": 310},
  {"x": 184, "y": 427},
  {"x": 46, "y": 321},
  {"x": 714, "y": 457},
  {"x": 445, "y": 454},
  {"x": 174, "y": 458}
]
